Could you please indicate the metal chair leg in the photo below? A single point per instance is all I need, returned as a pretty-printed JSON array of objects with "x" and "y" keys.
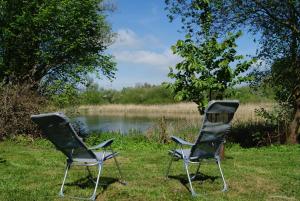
[
  {"x": 119, "y": 169},
  {"x": 93, "y": 197},
  {"x": 189, "y": 178},
  {"x": 61, "y": 192},
  {"x": 224, "y": 182}
]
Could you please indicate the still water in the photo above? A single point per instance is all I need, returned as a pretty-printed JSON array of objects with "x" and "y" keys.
[{"x": 121, "y": 124}]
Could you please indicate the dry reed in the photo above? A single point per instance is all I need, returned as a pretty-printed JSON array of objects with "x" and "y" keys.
[{"x": 246, "y": 112}]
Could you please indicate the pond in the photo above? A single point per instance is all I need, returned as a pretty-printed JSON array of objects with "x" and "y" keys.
[
  {"x": 121, "y": 124},
  {"x": 127, "y": 124}
]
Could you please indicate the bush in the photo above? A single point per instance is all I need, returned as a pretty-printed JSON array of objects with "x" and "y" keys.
[
  {"x": 247, "y": 94},
  {"x": 254, "y": 134},
  {"x": 143, "y": 94},
  {"x": 146, "y": 95},
  {"x": 17, "y": 103}
]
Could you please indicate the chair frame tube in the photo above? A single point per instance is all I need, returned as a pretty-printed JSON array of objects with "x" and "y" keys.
[
  {"x": 100, "y": 167},
  {"x": 187, "y": 161}
]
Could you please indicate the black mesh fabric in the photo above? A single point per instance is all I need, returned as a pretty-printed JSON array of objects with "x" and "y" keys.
[
  {"x": 216, "y": 124},
  {"x": 57, "y": 128}
]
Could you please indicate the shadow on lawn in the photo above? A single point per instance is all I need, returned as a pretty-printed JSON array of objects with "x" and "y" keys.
[
  {"x": 2, "y": 160},
  {"x": 199, "y": 177},
  {"x": 87, "y": 182}
]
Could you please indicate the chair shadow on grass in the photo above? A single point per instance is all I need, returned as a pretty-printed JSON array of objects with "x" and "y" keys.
[
  {"x": 88, "y": 182},
  {"x": 2, "y": 160},
  {"x": 200, "y": 177}
]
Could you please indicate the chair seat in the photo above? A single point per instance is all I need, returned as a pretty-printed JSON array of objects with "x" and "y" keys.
[
  {"x": 99, "y": 156},
  {"x": 187, "y": 153}
]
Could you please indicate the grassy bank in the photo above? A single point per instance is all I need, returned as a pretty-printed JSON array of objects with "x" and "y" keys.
[{"x": 34, "y": 170}]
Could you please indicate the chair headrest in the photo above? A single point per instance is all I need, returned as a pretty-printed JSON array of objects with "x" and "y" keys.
[{"x": 222, "y": 106}]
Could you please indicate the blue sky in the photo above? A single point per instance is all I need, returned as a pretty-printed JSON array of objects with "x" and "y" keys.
[{"x": 143, "y": 41}]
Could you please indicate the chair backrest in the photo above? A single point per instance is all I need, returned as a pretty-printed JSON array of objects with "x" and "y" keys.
[
  {"x": 57, "y": 128},
  {"x": 216, "y": 124}
]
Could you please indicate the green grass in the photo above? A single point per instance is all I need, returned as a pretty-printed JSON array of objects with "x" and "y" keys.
[{"x": 34, "y": 170}]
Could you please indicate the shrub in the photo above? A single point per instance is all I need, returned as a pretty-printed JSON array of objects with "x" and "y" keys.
[
  {"x": 17, "y": 103},
  {"x": 253, "y": 134}
]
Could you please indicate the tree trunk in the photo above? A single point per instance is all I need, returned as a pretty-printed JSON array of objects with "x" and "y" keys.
[{"x": 294, "y": 126}]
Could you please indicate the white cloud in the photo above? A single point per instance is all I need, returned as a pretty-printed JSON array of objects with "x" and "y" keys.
[
  {"x": 133, "y": 49},
  {"x": 150, "y": 58},
  {"x": 126, "y": 38}
]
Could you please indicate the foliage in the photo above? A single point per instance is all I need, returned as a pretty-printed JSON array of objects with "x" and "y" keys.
[
  {"x": 17, "y": 103},
  {"x": 196, "y": 16},
  {"x": 246, "y": 94},
  {"x": 254, "y": 134},
  {"x": 276, "y": 24},
  {"x": 206, "y": 70},
  {"x": 279, "y": 118},
  {"x": 63, "y": 95},
  {"x": 282, "y": 79},
  {"x": 45, "y": 42},
  {"x": 146, "y": 95},
  {"x": 272, "y": 22},
  {"x": 158, "y": 94},
  {"x": 93, "y": 95},
  {"x": 143, "y": 94}
]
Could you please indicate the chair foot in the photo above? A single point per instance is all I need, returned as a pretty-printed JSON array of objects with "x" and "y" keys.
[
  {"x": 194, "y": 194},
  {"x": 225, "y": 189},
  {"x": 61, "y": 194},
  {"x": 123, "y": 182},
  {"x": 93, "y": 197}
]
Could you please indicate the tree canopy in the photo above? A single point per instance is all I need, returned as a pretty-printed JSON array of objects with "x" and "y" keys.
[
  {"x": 210, "y": 65},
  {"x": 53, "y": 41},
  {"x": 275, "y": 23},
  {"x": 207, "y": 69}
]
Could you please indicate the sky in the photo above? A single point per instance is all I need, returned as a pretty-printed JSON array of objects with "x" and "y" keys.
[{"x": 144, "y": 36}]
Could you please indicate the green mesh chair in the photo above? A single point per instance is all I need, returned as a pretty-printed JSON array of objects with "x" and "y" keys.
[
  {"x": 58, "y": 129},
  {"x": 216, "y": 124}
]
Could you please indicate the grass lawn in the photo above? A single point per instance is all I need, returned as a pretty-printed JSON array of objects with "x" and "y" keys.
[{"x": 34, "y": 171}]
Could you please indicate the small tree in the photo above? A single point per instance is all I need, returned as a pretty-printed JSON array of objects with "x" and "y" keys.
[{"x": 206, "y": 71}]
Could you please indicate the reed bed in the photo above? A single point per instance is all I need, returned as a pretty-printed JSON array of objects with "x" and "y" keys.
[
  {"x": 169, "y": 110},
  {"x": 245, "y": 113},
  {"x": 183, "y": 120}
]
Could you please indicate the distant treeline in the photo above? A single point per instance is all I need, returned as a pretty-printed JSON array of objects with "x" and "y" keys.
[{"x": 159, "y": 94}]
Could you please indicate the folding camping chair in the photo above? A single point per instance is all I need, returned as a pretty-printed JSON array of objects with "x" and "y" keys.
[
  {"x": 58, "y": 129},
  {"x": 216, "y": 124}
]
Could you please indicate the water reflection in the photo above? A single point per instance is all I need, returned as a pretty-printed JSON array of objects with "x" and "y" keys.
[{"x": 121, "y": 124}]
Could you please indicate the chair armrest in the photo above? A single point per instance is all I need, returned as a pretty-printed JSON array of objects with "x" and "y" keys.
[
  {"x": 181, "y": 141},
  {"x": 103, "y": 144}
]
